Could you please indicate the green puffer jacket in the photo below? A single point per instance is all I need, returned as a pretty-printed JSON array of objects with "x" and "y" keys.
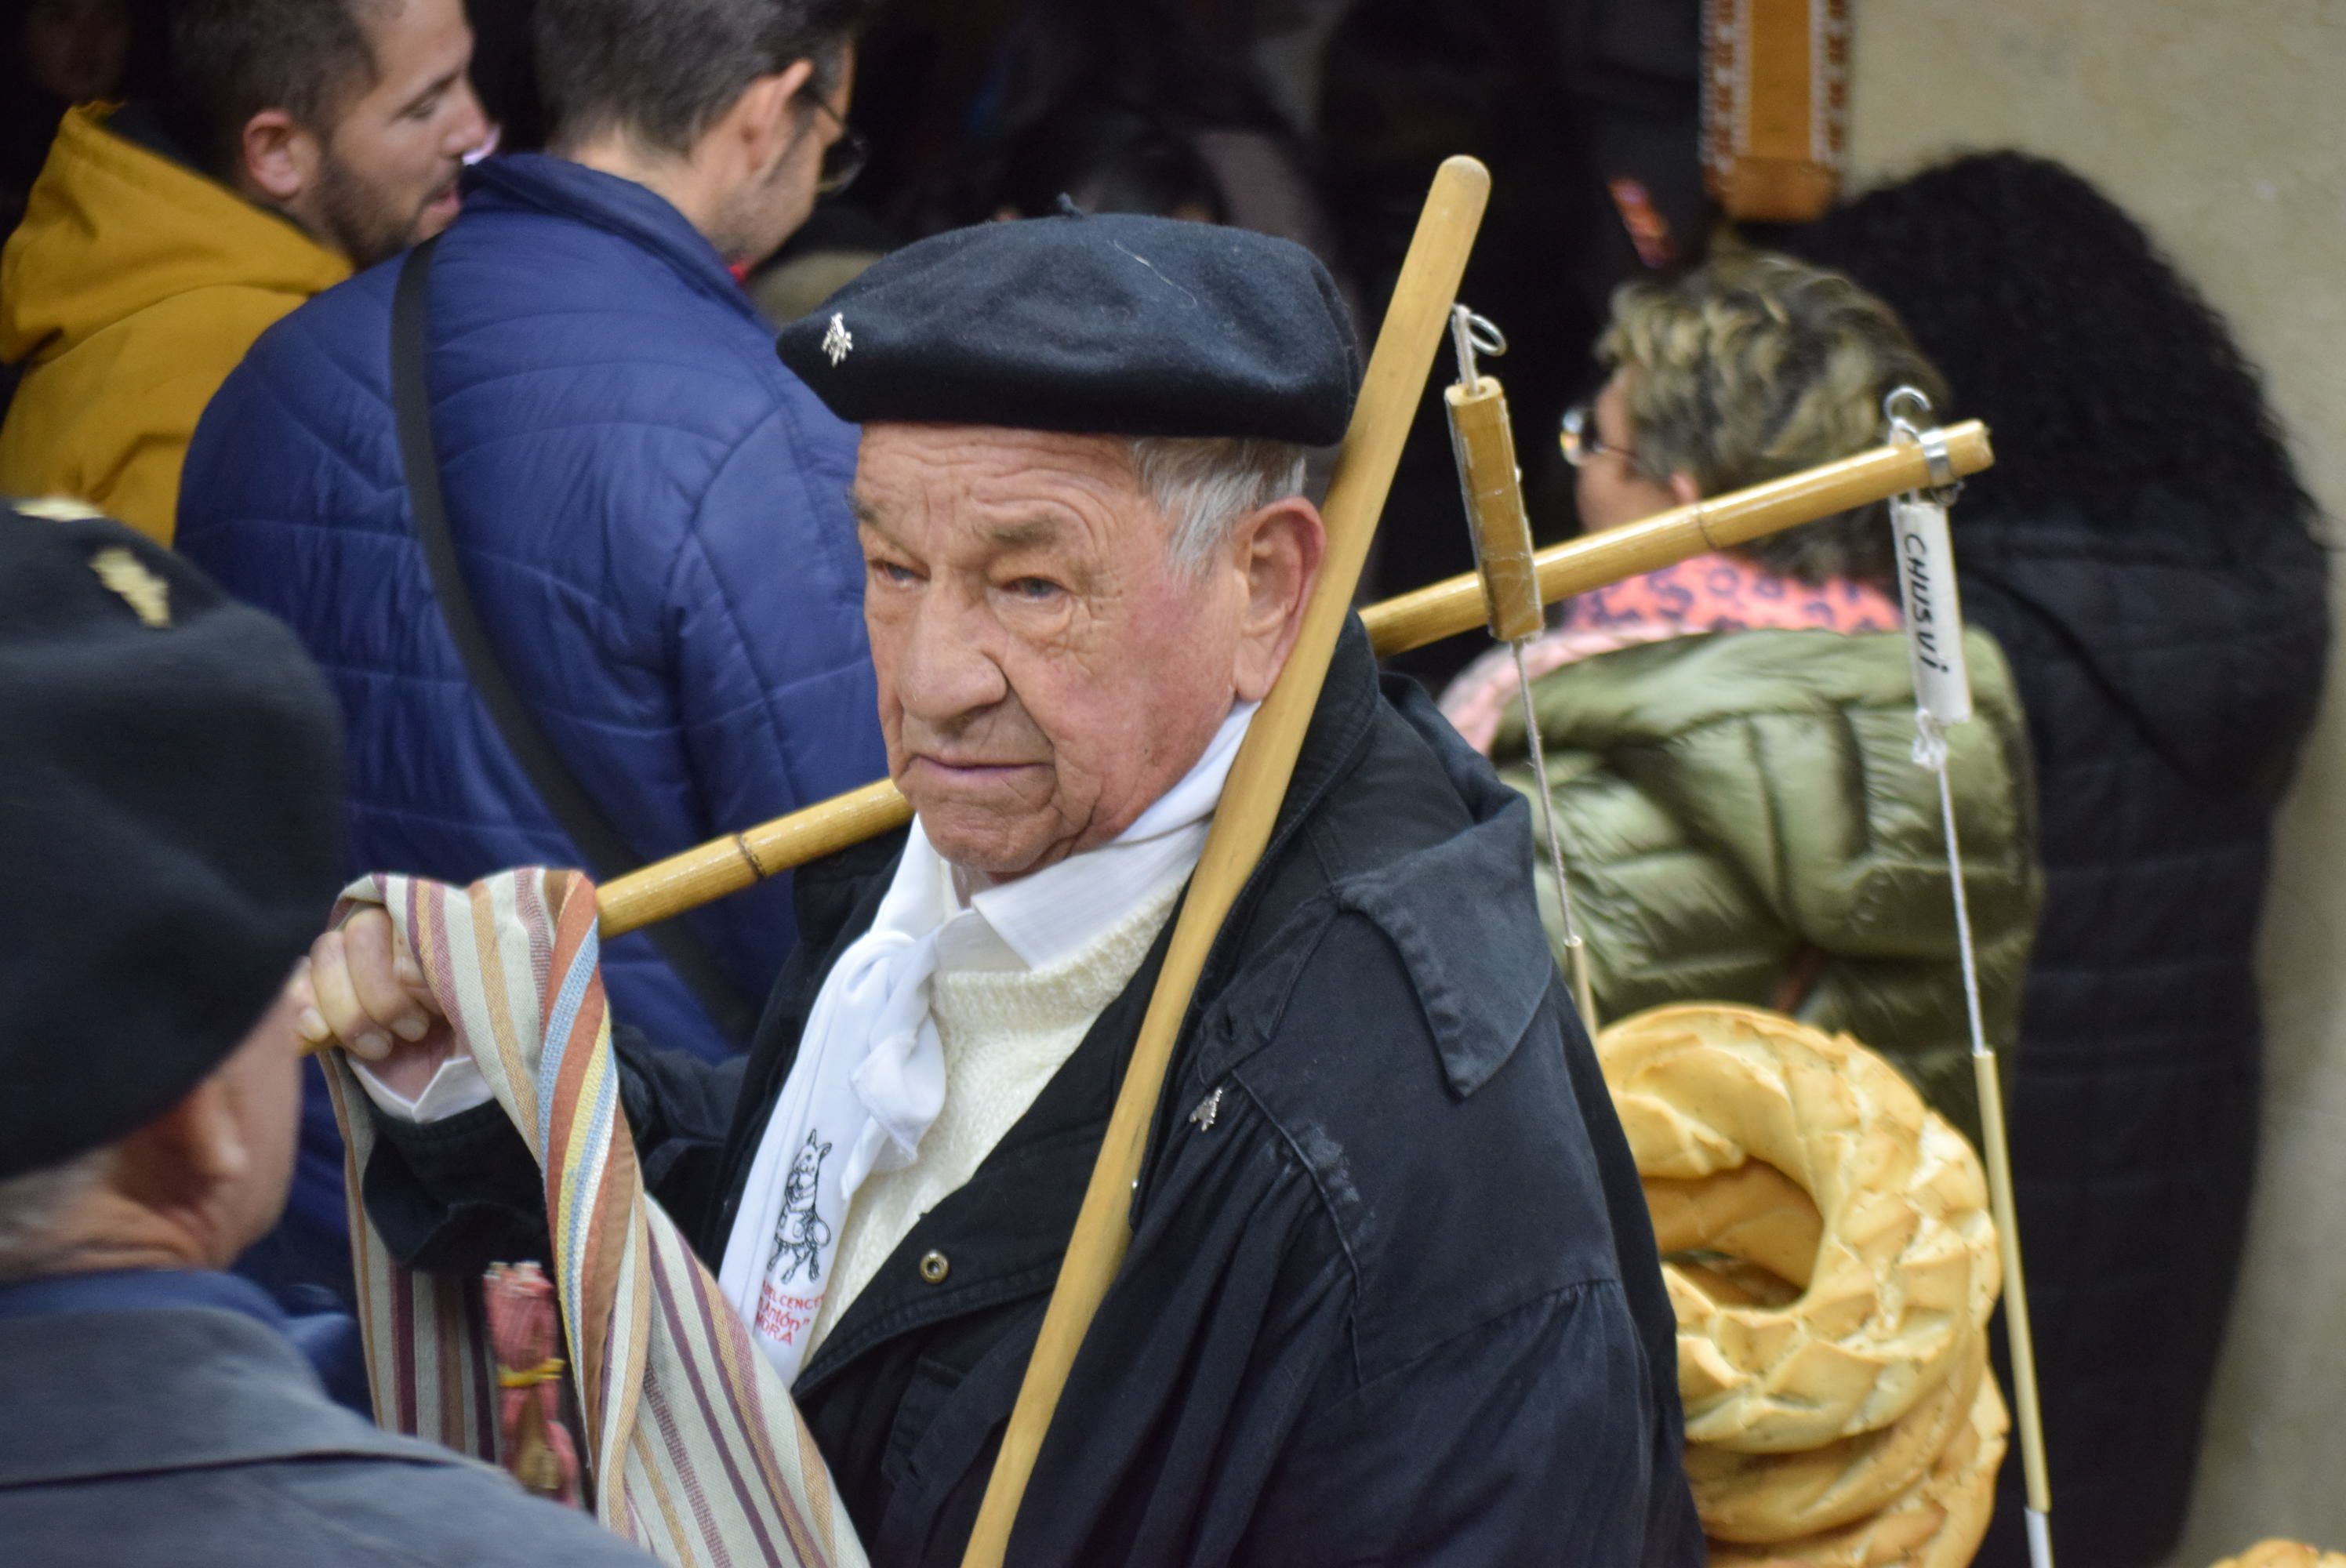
[{"x": 1742, "y": 811}]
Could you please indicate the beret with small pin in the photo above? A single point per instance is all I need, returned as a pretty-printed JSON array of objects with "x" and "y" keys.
[
  {"x": 1111, "y": 325},
  {"x": 170, "y": 827}
]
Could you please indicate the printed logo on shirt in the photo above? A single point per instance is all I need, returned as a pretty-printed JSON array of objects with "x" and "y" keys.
[
  {"x": 800, "y": 1234},
  {"x": 782, "y": 1318}
]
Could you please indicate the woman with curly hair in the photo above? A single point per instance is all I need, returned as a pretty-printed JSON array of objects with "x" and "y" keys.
[
  {"x": 1729, "y": 740},
  {"x": 2145, "y": 554}
]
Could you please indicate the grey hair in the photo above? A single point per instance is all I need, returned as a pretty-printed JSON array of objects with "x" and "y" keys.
[
  {"x": 31, "y": 1206},
  {"x": 1203, "y": 487},
  {"x": 1754, "y": 366}
]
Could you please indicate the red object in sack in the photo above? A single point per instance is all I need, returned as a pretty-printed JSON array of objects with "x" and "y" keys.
[{"x": 518, "y": 1300}]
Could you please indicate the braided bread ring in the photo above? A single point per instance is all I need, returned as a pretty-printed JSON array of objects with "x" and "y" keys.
[
  {"x": 1906, "y": 1272},
  {"x": 1762, "y": 1498},
  {"x": 1937, "y": 1522},
  {"x": 1752, "y": 1212},
  {"x": 2284, "y": 1554}
]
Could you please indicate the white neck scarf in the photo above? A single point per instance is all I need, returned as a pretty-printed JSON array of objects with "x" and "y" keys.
[{"x": 869, "y": 1076}]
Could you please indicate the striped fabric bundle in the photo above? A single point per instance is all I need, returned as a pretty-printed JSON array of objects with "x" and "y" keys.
[{"x": 694, "y": 1450}]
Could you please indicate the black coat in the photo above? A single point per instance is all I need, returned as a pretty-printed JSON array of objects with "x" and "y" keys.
[
  {"x": 1396, "y": 1301},
  {"x": 2169, "y": 666}
]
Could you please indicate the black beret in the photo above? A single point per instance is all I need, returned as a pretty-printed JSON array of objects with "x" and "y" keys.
[
  {"x": 1112, "y": 325},
  {"x": 169, "y": 826}
]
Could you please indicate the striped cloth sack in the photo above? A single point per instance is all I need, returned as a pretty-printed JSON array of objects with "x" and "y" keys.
[{"x": 694, "y": 1450}]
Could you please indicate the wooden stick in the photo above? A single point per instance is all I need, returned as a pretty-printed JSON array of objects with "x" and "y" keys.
[
  {"x": 2019, "y": 1336},
  {"x": 1414, "y": 324},
  {"x": 698, "y": 876},
  {"x": 1447, "y": 609},
  {"x": 708, "y": 871}
]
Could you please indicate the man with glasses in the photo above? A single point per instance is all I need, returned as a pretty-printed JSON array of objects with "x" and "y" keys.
[{"x": 646, "y": 510}]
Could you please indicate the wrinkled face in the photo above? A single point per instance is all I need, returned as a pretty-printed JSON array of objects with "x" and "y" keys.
[
  {"x": 1047, "y": 670},
  {"x": 387, "y": 171},
  {"x": 1610, "y": 487}
]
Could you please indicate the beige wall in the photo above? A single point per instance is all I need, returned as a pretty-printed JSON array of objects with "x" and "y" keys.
[{"x": 2221, "y": 125}]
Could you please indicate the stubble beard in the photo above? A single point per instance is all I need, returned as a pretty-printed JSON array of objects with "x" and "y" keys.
[{"x": 359, "y": 221}]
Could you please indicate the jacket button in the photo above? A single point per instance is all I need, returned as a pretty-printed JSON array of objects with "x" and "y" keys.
[{"x": 934, "y": 1266}]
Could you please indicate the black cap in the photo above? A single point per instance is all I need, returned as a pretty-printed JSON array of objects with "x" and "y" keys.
[
  {"x": 1112, "y": 325},
  {"x": 169, "y": 826}
]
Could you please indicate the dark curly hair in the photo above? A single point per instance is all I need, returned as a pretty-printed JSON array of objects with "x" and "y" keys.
[{"x": 2102, "y": 372}]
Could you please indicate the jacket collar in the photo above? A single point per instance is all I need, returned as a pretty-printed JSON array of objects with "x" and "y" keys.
[
  {"x": 1481, "y": 982},
  {"x": 140, "y": 1391},
  {"x": 112, "y": 227},
  {"x": 540, "y": 182},
  {"x": 140, "y": 1290}
]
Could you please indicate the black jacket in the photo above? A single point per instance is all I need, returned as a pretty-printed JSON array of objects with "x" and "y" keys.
[
  {"x": 2169, "y": 664},
  {"x": 1396, "y": 1301}
]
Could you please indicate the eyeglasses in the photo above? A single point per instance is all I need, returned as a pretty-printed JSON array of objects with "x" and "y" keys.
[
  {"x": 1580, "y": 441},
  {"x": 844, "y": 159}
]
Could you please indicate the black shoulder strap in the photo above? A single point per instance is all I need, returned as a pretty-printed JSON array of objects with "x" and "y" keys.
[{"x": 606, "y": 853}]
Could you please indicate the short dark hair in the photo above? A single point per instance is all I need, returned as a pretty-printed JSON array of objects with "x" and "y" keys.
[
  {"x": 662, "y": 71},
  {"x": 228, "y": 60}
]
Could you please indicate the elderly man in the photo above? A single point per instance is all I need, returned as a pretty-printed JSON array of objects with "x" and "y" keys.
[
  {"x": 167, "y": 817},
  {"x": 1392, "y": 1294}
]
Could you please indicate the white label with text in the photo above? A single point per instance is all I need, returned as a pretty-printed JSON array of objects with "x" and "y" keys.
[{"x": 1935, "y": 615}]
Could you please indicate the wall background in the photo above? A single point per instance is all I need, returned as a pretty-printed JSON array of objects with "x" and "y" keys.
[{"x": 2221, "y": 127}]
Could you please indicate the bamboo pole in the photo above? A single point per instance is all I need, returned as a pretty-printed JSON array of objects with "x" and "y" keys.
[
  {"x": 709, "y": 871},
  {"x": 1446, "y": 608},
  {"x": 1414, "y": 325}
]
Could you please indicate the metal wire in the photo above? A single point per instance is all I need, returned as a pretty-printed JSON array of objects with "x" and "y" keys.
[
  {"x": 1575, "y": 950},
  {"x": 1931, "y": 751}
]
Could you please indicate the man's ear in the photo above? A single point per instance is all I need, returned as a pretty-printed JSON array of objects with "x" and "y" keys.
[
  {"x": 1684, "y": 490},
  {"x": 1277, "y": 552},
  {"x": 765, "y": 116},
  {"x": 280, "y": 158},
  {"x": 176, "y": 1161}
]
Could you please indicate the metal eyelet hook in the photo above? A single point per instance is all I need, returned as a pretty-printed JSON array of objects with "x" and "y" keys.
[
  {"x": 1900, "y": 398},
  {"x": 1471, "y": 334},
  {"x": 1944, "y": 485}
]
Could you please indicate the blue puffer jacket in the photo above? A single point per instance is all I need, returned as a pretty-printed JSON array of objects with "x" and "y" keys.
[{"x": 651, "y": 512}]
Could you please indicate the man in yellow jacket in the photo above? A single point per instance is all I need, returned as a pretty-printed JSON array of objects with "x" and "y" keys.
[{"x": 292, "y": 140}]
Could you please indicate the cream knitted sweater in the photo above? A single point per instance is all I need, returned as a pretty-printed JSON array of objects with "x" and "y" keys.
[{"x": 1005, "y": 1033}]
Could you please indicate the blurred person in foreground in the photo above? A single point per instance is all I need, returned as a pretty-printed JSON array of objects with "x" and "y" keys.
[
  {"x": 170, "y": 829},
  {"x": 286, "y": 141},
  {"x": 1729, "y": 740},
  {"x": 2146, "y": 554},
  {"x": 648, "y": 509},
  {"x": 1391, "y": 1294}
]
